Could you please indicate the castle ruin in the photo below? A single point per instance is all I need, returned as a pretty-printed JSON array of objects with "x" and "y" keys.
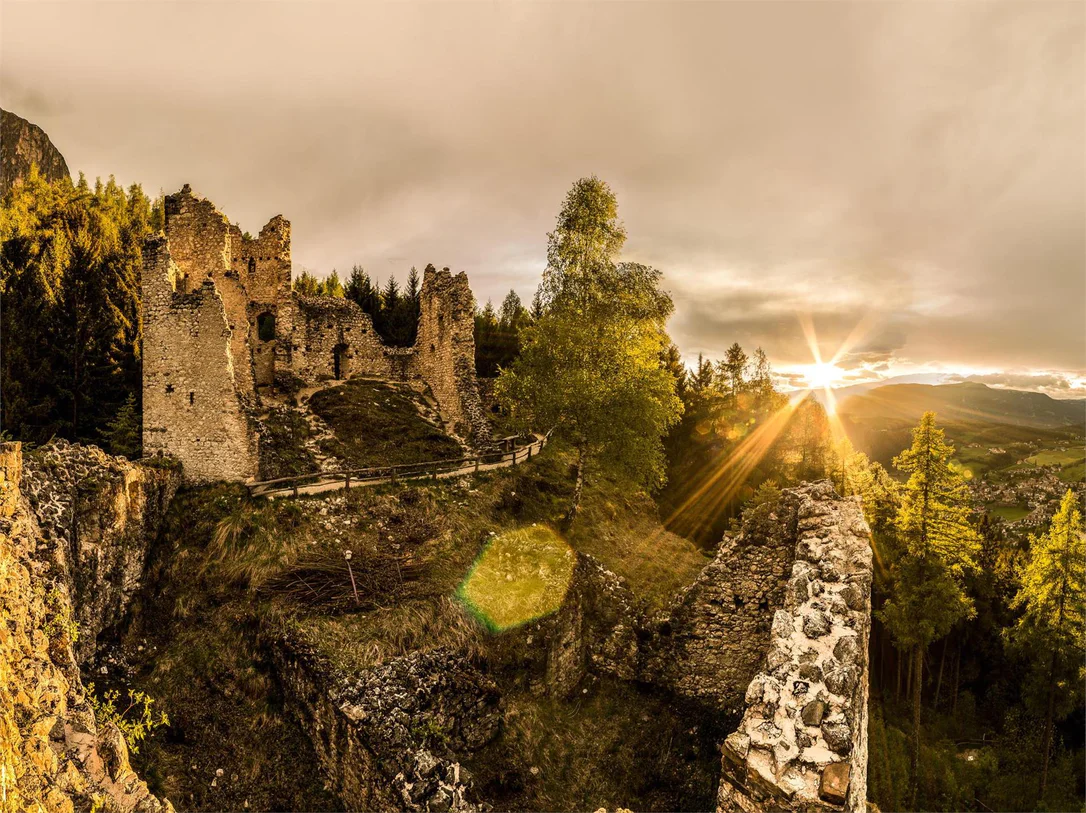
[{"x": 221, "y": 321}]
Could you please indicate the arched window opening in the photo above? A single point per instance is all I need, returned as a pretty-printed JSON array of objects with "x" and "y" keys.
[
  {"x": 252, "y": 265},
  {"x": 265, "y": 326}
]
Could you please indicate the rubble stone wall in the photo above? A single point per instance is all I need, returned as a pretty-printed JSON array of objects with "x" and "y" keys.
[
  {"x": 387, "y": 737},
  {"x": 332, "y": 329},
  {"x": 802, "y": 741},
  {"x": 710, "y": 644},
  {"x": 54, "y": 755},
  {"x": 99, "y": 514},
  {"x": 445, "y": 351},
  {"x": 192, "y": 405}
]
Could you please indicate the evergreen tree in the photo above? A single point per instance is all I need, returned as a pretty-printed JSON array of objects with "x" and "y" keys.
[
  {"x": 590, "y": 366},
  {"x": 703, "y": 376},
  {"x": 124, "y": 434},
  {"x": 306, "y": 284},
  {"x": 673, "y": 363},
  {"x": 332, "y": 285},
  {"x": 70, "y": 265},
  {"x": 1052, "y": 628},
  {"x": 939, "y": 547},
  {"x": 536, "y": 311},
  {"x": 732, "y": 371},
  {"x": 361, "y": 290},
  {"x": 413, "y": 290}
]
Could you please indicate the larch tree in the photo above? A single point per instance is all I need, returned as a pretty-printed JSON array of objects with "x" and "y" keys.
[
  {"x": 939, "y": 546},
  {"x": 1052, "y": 628},
  {"x": 590, "y": 366}
]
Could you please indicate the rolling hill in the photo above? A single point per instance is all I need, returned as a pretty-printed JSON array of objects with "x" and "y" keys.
[{"x": 976, "y": 417}]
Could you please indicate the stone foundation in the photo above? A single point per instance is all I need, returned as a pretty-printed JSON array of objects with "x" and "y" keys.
[{"x": 387, "y": 738}]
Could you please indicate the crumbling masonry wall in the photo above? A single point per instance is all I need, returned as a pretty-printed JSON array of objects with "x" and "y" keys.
[
  {"x": 336, "y": 332},
  {"x": 221, "y": 318},
  {"x": 192, "y": 401},
  {"x": 445, "y": 351},
  {"x": 802, "y": 742}
]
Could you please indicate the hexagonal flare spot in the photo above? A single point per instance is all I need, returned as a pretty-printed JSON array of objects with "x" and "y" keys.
[{"x": 520, "y": 576}]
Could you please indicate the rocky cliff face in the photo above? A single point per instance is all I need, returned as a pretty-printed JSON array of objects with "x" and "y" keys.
[
  {"x": 23, "y": 145},
  {"x": 98, "y": 516},
  {"x": 54, "y": 755}
]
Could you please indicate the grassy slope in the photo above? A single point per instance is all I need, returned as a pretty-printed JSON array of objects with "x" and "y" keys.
[
  {"x": 204, "y": 663},
  {"x": 378, "y": 424}
]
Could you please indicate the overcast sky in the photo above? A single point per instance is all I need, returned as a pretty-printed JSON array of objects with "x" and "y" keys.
[{"x": 914, "y": 169}]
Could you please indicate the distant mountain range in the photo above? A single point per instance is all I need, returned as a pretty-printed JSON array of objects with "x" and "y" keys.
[
  {"x": 962, "y": 403},
  {"x": 879, "y": 419},
  {"x": 23, "y": 145}
]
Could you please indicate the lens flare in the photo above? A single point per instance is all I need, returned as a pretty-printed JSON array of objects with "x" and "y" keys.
[{"x": 520, "y": 576}]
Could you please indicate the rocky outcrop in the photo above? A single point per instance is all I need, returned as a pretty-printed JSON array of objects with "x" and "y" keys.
[
  {"x": 387, "y": 738},
  {"x": 98, "y": 515},
  {"x": 802, "y": 742},
  {"x": 54, "y": 755},
  {"x": 23, "y": 145}
]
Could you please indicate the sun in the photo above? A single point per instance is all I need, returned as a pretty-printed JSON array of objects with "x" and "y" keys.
[{"x": 823, "y": 375}]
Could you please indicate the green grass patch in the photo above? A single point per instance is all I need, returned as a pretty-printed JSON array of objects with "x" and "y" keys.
[
  {"x": 521, "y": 575},
  {"x": 378, "y": 424},
  {"x": 1008, "y": 513},
  {"x": 283, "y": 452},
  {"x": 1058, "y": 457}
]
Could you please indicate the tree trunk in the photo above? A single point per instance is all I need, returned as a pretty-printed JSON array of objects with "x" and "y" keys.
[
  {"x": 578, "y": 490},
  {"x": 1046, "y": 746},
  {"x": 957, "y": 675},
  {"x": 918, "y": 674},
  {"x": 939, "y": 680},
  {"x": 897, "y": 657}
]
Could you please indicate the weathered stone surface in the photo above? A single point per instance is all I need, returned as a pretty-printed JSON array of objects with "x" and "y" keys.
[
  {"x": 388, "y": 738},
  {"x": 833, "y": 786},
  {"x": 23, "y": 145},
  {"x": 98, "y": 514},
  {"x": 809, "y": 740},
  {"x": 221, "y": 321},
  {"x": 813, "y": 712},
  {"x": 54, "y": 755}
]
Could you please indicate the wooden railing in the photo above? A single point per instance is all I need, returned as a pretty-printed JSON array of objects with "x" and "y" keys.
[{"x": 321, "y": 481}]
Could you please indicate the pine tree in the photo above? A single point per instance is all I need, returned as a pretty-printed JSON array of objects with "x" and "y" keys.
[
  {"x": 940, "y": 547},
  {"x": 732, "y": 371},
  {"x": 332, "y": 286},
  {"x": 536, "y": 311},
  {"x": 1052, "y": 598},
  {"x": 306, "y": 284},
  {"x": 123, "y": 434},
  {"x": 413, "y": 290}
]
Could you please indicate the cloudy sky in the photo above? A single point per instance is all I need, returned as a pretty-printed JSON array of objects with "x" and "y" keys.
[{"x": 910, "y": 175}]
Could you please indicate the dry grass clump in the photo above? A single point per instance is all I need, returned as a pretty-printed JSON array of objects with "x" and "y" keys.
[
  {"x": 254, "y": 542},
  {"x": 349, "y": 581},
  {"x": 365, "y": 640}
]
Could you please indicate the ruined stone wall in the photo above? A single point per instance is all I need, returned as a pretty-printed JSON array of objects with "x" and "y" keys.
[
  {"x": 100, "y": 513},
  {"x": 329, "y": 328},
  {"x": 192, "y": 407},
  {"x": 802, "y": 742},
  {"x": 200, "y": 245},
  {"x": 711, "y": 642},
  {"x": 445, "y": 352},
  {"x": 387, "y": 738},
  {"x": 262, "y": 265},
  {"x": 54, "y": 755}
]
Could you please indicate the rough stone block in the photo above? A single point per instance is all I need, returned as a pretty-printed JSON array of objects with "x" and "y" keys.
[{"x": 834, "y": 785}]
